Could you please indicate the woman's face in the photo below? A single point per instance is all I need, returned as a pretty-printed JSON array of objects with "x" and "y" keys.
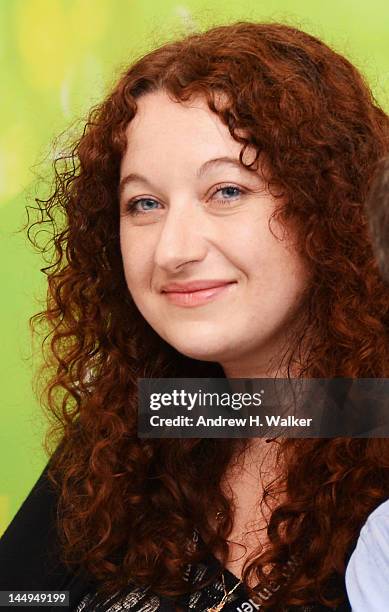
[{"x": 200, "y": 261}]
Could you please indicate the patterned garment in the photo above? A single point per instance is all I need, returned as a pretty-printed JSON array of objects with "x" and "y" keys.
[{"x": 141, "y": 599}]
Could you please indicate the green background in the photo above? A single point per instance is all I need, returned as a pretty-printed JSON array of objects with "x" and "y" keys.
[{"x": 57, "y": 59}]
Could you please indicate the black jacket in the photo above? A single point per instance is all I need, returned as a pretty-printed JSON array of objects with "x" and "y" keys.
[{"x": 29, "y": 549}]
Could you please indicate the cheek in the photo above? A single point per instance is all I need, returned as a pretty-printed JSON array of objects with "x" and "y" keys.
[
  {"x": 241, "y": 244},
  {"x": 136, "y": 264},
  {"x": 272, "y": 265},
  {"x": 248, "y": 234},
  {"x": 251, "y": 248}
]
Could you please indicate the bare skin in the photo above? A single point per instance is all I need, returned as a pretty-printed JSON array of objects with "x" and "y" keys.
[{"x": 244, "y": 483}]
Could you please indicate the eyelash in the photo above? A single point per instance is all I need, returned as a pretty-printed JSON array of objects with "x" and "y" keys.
[{"x": 130, "y": 206}]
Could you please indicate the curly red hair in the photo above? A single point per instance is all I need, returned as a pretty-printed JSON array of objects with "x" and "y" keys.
[
  {"x": 127, "y": 506},
  {"x": 378, "y": 212}
]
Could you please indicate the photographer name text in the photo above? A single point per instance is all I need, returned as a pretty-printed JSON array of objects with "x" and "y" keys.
[{"x": 252, "y": 421}]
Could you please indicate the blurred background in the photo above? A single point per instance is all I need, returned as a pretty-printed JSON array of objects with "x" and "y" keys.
[{"x": 57, "y": 59}]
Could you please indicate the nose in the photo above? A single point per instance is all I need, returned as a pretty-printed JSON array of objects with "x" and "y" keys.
[{"x": 182, "y": 238}]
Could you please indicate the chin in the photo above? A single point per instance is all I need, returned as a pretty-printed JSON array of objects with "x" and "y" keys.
[
  {"x": 199, "y": 340},
  {"x": 200, "y": 355},
  {"x": 201, "y": 350}
]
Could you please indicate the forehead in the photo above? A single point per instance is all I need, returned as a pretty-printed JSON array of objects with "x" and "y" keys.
[{"x": 176, "y": 130}]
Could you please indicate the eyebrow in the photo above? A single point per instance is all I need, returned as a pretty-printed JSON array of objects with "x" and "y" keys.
[{"x": 210, "y": 163}]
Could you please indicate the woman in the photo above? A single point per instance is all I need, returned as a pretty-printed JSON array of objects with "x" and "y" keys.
[{"x": 214, "y": 226}]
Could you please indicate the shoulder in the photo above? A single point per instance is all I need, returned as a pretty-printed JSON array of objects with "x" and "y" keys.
[
  {"x": 23, "y": 543},
  {"x": 367, "y": 572},
  {"x": 30, "y": 556}
]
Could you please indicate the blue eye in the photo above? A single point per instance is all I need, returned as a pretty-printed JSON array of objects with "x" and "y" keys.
[
  {"x": 134, "y": 210},
  {"x": 231, "y": 191}
]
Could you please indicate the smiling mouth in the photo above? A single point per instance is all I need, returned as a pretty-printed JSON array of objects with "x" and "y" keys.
[{"x": 199, "y": 297}]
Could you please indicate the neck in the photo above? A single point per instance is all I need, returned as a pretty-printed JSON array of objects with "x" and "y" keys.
[{"x": 257, "y": 370}]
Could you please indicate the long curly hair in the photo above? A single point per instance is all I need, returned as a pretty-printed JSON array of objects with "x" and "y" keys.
[
  {"x": 127, "y": 506},
  {"x": 378, "y": 213}
]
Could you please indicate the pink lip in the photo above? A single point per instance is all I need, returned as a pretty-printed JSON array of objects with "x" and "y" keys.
[
  {"x": 182, "y": 296},
  {"x": 194, "y": 285}
]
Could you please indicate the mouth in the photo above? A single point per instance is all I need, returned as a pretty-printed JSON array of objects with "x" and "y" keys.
[{"x": 199, "y": 297}]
